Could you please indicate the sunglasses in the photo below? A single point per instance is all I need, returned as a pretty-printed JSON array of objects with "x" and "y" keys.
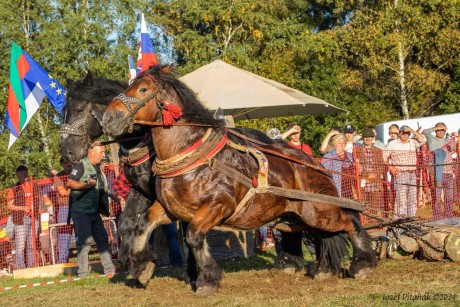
[{"x": 443, "y": 130}]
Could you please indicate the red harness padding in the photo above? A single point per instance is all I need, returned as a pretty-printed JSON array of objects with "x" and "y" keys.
[
  {"x": 150, "y": 154},
  {"x": 203, "y": 160}
]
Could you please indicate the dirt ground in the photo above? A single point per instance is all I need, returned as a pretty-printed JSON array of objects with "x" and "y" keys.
[{"x": 254, "y": 282}]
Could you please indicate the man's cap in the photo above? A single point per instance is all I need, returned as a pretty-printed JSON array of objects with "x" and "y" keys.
[
  {"x": 368, "y": 132},
  {"x": 273, "y": 133},
  {"x": 349, "y": 129},
  {"x": 403, "y": 127},
  {"x": 21, "y": 168}
]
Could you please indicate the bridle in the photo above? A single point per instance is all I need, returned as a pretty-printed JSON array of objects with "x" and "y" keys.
[
  {"x": 127, "y": 101},
  {"x": 77, "y": 128}
]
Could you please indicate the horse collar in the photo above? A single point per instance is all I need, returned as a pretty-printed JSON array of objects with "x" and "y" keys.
[
  {"x": 192, "y": 157},
  {"x": 140, "y": 153}
]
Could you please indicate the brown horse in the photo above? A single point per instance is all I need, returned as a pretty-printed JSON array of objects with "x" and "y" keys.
[{"x": 204, "y": 179}]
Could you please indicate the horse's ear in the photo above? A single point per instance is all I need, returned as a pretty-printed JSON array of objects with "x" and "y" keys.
[
  {"x": 167, "y": 69},
  {"x": 88, "y": 79}
]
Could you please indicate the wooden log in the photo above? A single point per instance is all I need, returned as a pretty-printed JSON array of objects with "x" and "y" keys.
[
  {"x": 432, "y": 245},
  {"x": 383, "y": 251},
  {"x": 452, "y": 246},
  {"x": 408, "y": 244},
  {"x": 400, "y": 254}
]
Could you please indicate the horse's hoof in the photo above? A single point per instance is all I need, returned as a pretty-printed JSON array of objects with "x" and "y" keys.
[
  {"x": 186, "y": 278},
  {"x": 363, "y": 273},
  {"x": 322, "y": 276},
  {"x": 206, "y": 290},
  {"x": 146, "y": 274}
]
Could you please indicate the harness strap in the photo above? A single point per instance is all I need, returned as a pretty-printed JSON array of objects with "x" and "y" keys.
[
  {"x": 283, "y": 192},
  {"x": 321, "y": 198},
  {"x": 262, "y": 162},
  {"x": 189, "y": 159},
  {"x": 137, "y": 155}
]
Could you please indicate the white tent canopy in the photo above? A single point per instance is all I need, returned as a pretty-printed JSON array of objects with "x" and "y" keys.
[{"x": 245, "y": 95}]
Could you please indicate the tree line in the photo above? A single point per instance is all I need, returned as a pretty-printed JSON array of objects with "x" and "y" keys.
[{"x": 380, "y": 60}]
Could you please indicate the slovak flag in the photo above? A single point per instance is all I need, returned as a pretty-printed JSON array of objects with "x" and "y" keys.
[
  {"x": 132, "y": 69},
  {"x": 29, "y": 84},
  {"x": 146, "y": 56}
]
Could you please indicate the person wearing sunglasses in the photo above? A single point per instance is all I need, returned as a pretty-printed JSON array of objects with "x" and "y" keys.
[
  {"x": 439, "y": 139},
  {"x": 401, "y": 158},
  {"x": 443, "y": 148}
]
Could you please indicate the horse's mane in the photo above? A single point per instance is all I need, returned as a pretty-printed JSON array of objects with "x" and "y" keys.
[
  {"x": 193, "y": 111},
  {"x": 99, "y": 90}
]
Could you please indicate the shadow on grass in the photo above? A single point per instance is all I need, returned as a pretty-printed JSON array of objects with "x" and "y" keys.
[{"x": 259, "y": 261}]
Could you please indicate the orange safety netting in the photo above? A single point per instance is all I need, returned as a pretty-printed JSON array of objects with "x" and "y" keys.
[{"x": 36, "y": 233}]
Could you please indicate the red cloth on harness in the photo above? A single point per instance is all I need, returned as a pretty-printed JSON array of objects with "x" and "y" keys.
[{"x": 121, "y": 185}]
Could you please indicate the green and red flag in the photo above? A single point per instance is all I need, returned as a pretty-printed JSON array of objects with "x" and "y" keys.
[{"x": 29, "y": 84}]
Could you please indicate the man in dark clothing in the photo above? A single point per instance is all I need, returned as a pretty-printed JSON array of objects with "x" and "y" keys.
[{"x": 89, "y": 197}]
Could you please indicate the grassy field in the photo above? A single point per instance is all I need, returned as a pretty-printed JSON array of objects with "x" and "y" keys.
[{"x": 253, "y": 282}]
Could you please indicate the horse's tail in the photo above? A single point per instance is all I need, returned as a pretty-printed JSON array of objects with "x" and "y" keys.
[{"x": 334, "y": 249}]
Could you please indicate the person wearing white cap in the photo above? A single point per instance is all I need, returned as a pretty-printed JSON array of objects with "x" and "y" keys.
[{"x": 401, "y": 157}]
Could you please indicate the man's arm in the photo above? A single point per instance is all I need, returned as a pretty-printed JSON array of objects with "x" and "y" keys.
[
  {"x": 77, "y": 185},
  {"x": 11, "y": 206},
  {"x": 427, "y": 132},
  {"x": 74, "y": 183},
  {"x": 287, "y": 133},
  {"x": 325, "y": 144},
  {"x": 60, "y": 188},
  {"x": 420, "y": 137}
]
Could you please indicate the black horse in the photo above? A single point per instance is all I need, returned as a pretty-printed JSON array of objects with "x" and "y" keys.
[{"x": 87, "y": 100}]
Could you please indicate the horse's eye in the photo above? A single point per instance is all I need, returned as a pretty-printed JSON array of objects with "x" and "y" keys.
[{"x": 143, "y": 90}]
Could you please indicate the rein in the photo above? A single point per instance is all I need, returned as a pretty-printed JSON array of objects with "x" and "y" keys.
[
  {"x": 121, "y": 140},
  {"x": 149, "y": 123},
  {"x": 274, "y": 152}
]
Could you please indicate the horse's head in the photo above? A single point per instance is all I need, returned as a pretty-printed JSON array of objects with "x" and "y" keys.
[
  {"x": 143, "y": 101},
  {"x": 155, "y": 96},
  {"x": 86, "y": 102}
]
